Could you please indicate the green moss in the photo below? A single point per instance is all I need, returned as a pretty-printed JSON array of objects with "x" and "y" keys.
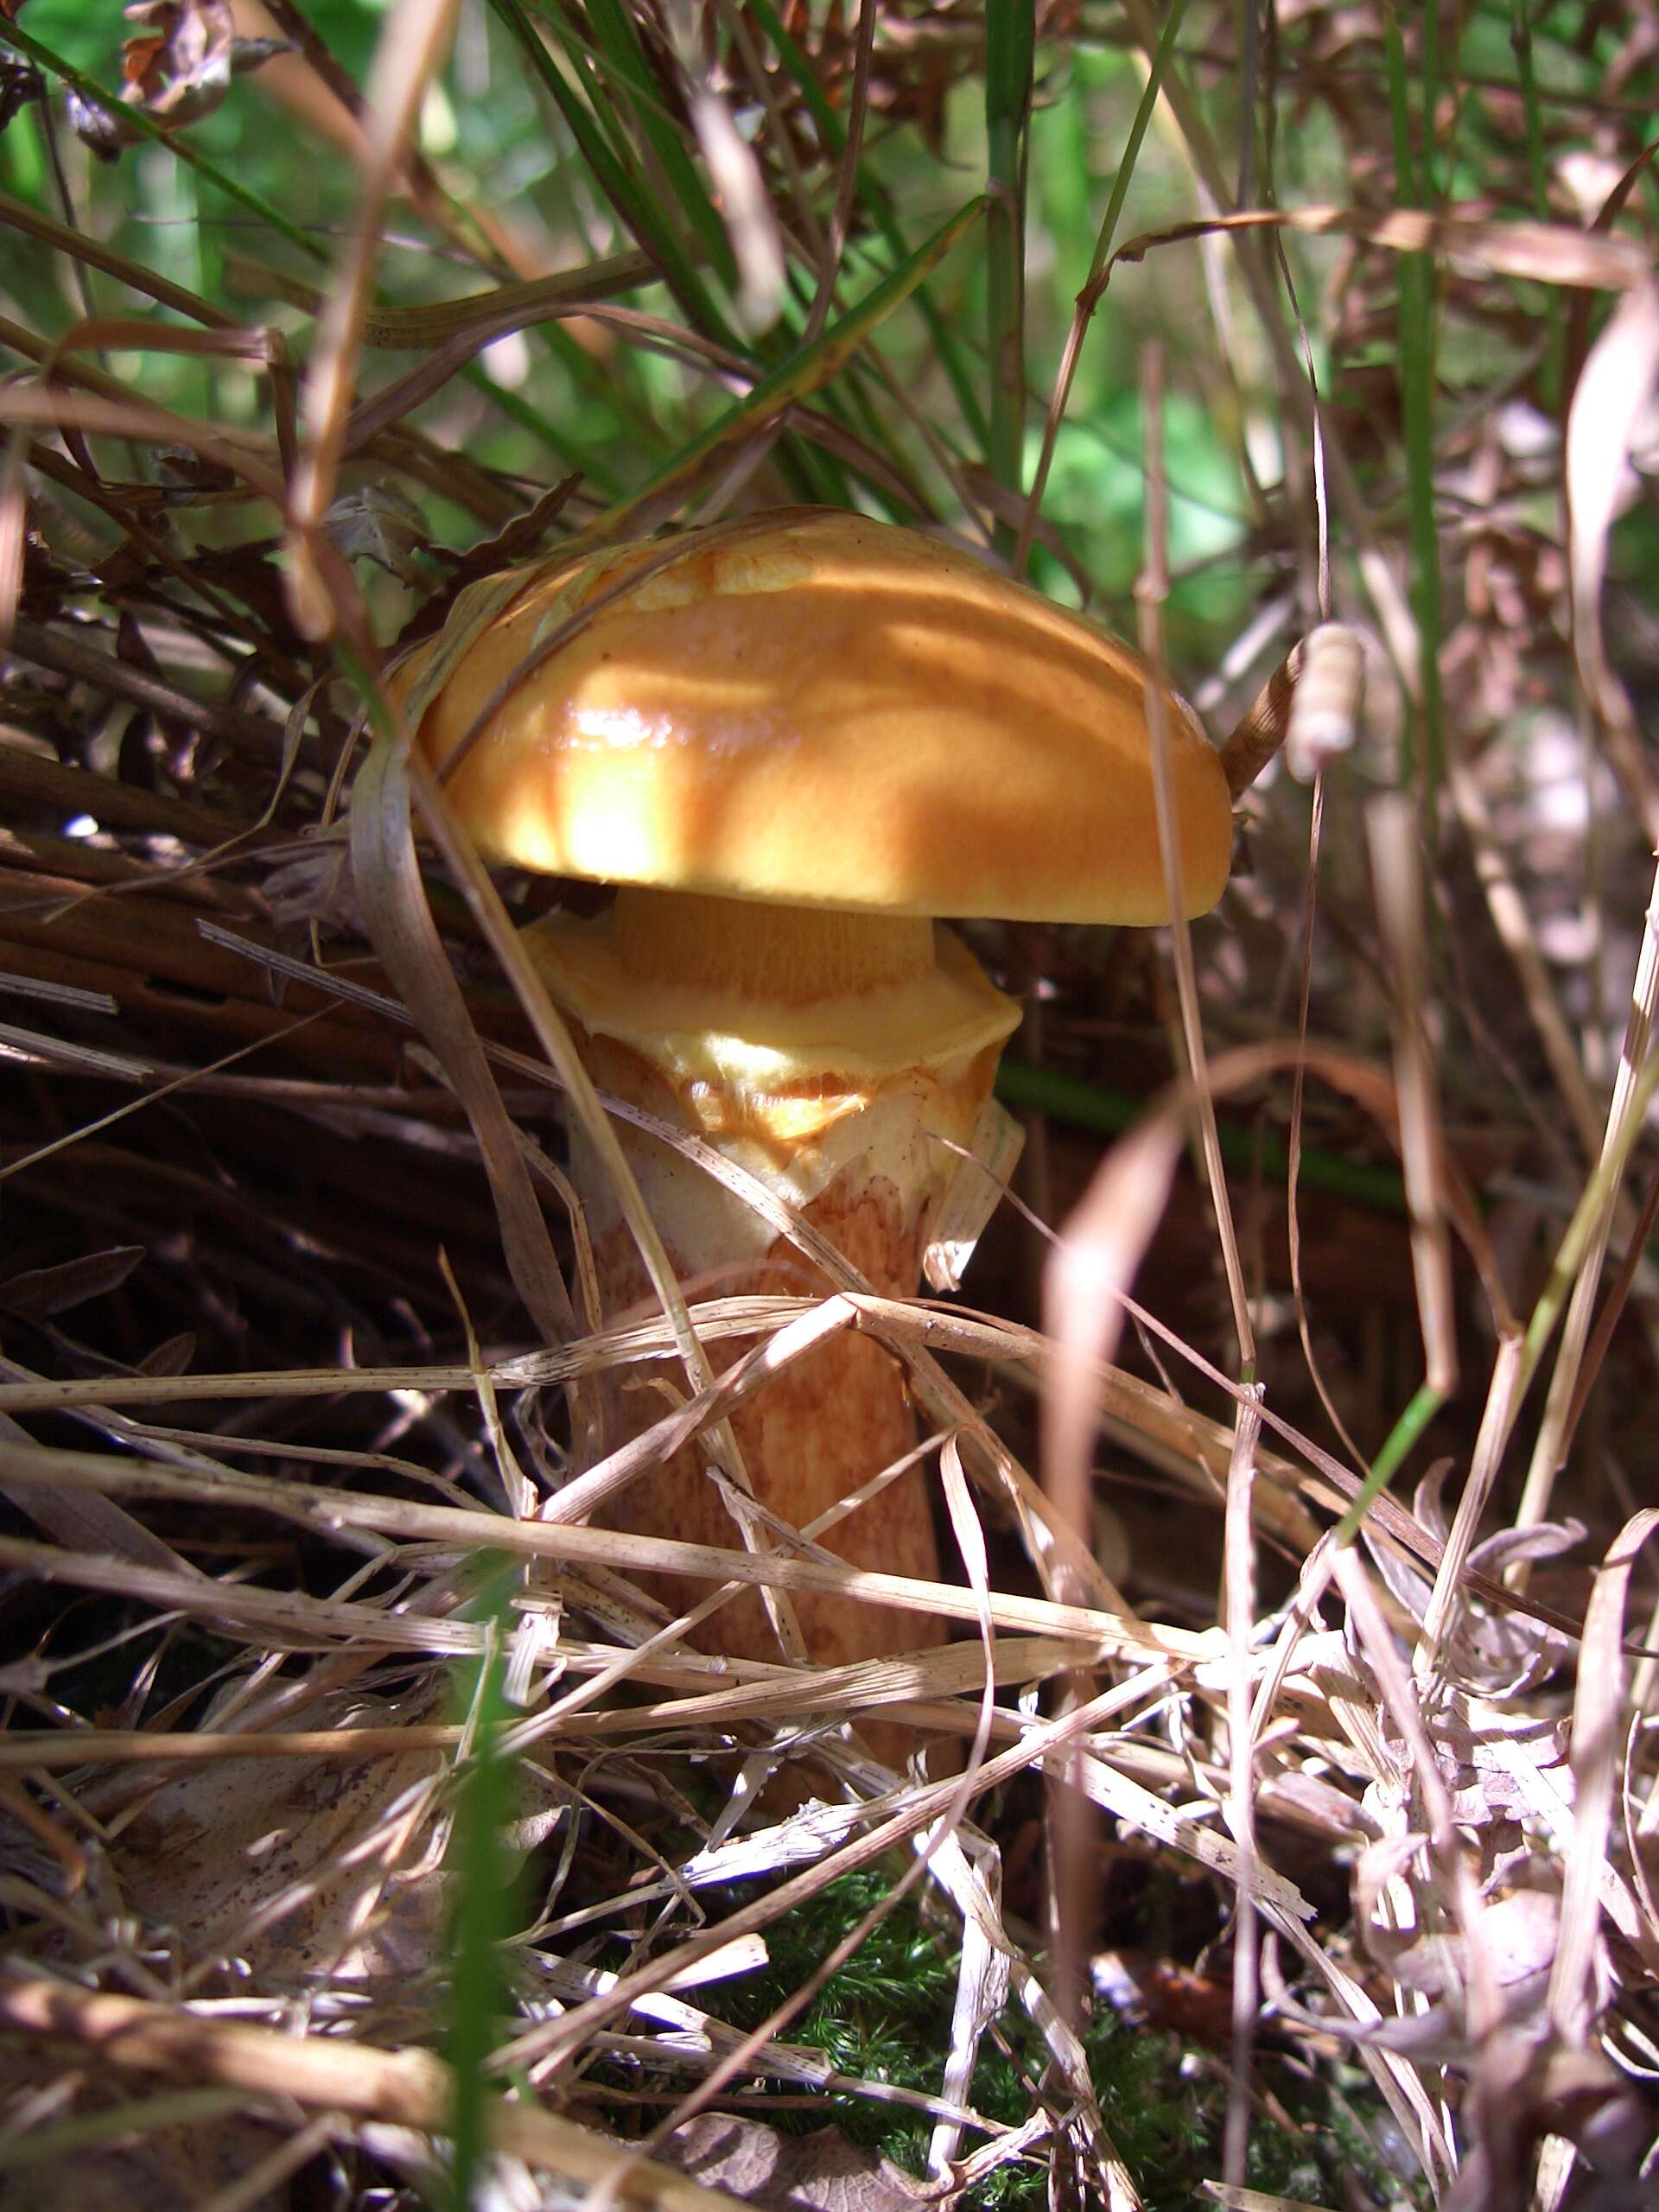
[{"x": 885, "y": 2016}]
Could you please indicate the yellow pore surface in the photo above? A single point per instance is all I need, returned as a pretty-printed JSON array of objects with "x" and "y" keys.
[{"x": 771, "y": 1023}]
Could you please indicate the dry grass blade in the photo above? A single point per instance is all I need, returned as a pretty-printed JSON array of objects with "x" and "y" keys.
[
  {"x": 1509, "y": 912},
  {"x": 414, "y": 38},
  {"x": 243, "y": 457},
  {"x": 340, "y": 1510},
  {"x": 1085, "y": 1285},
  {"x": 1614, "y": 386},
  {"x": 1550, "y": 254},
  {"x": 1239, "y": 1615},
  {"x": 555, "y": 1042},
  {"x": 410, "y": 2088},
  {"x": 1597, "y": 1726},
  {"x": 278, "y": 1619},
  {"x": 1398, "y": 876},
  {"x": 1554, "y": 1429},
  {"x": 1150, "y": 590},
  {"x": 1256, "y": 2200},
  {"x": 1495, "y": 1428},
  {"x": 395, "y": 906}
]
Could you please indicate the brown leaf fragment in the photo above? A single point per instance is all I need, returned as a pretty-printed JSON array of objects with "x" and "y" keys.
[
  {"x": 36, "y": 1293},
  {"x": 171, "y": 1358},
  {"x": 181, "y": 68},
  {"x": 380, "y": 524},
  {"x": 95, "y": 127},
  {"x": 304, "y": 1870},
  {"x": 19, "y": 81},
  {"x": 820, "y": 2172}
]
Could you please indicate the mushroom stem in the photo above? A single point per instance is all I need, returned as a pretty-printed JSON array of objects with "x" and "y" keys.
[{"x": 827, "y": 1053}]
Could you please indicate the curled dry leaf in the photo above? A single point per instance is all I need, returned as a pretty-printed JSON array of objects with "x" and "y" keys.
[
  {"x": 1494, "y": 1652},
  {"x": 179, "y": 66},
  {"x": 820, "y": 2172},
  {"x": 380, "y": 524}
]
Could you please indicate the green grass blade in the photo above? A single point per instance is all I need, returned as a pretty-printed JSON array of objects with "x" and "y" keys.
[
  {"x": 626, "y": 191},
  {"x": 482, "y": 1917},
  {"x": 949, "y": 352},
  {"x": 618, "y": 42},
  {"x": 1538, "y": 174},
  {"x": 1085, "y": 1105},
  {"x": 1144, "y": 111},
  {"x": 1397, "y": 1445},
  {"x": 801, "y": 375}
]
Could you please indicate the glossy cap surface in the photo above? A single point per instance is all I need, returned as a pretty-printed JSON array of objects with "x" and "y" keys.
[{"x": 815, "y": 709}]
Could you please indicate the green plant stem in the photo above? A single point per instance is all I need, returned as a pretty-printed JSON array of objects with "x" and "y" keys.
[
  {"x": 1010, "y": 47},
  {"x": 1090, "y": 1106},
  {"x": 1555, "y": 319},
  {"x": 1397, "y": 1446},
  {"x": 481, "y": 1916}
]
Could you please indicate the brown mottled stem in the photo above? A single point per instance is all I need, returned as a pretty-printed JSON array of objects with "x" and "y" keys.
[{"x": 853, "y": 1146}]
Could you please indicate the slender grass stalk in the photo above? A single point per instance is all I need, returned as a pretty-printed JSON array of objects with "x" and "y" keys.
[
  {"x": 1010, "y": 40},
  {"x": 628, "y": 192},
  {"x": 1145, "y": 107},
  {"x": 43, "y": 2149},
  {"x": 807, "y": 372},
  {"x": 127, "y": 113},
  {"x": 1554, "y": 318},
  {"x": 519, "y": 410},
  {"x": 618, "y": 45},
  {"x": 1396, "y": 1446},
  {"x": 1417, "y": 346},
  {"x": 1088, "y": 299}
]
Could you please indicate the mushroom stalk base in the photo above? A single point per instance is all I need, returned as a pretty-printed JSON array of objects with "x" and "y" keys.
[
  {"x": 824, "y": 1425},
  {"x": 828, "y": 1055}
]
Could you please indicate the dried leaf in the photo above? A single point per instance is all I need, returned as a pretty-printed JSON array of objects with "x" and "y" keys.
[
  {"x": 39, "y": 1293},
  {"x": 380, "y": 524},
  {"x": 172, "y": 1356},
  {"x": 18, "y": 82},
  {"x": 820, "y": 2172},
  {"x": 181, "y": 67},
  {"x": 93, "y": 125}
]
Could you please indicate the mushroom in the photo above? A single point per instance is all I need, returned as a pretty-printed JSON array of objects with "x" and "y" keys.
[{"x": 793, "y": 746}]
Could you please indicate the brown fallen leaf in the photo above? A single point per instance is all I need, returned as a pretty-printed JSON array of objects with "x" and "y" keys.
[
  {"x": 180, "y": 63},
  {"x": 820, "y": 2172}
]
